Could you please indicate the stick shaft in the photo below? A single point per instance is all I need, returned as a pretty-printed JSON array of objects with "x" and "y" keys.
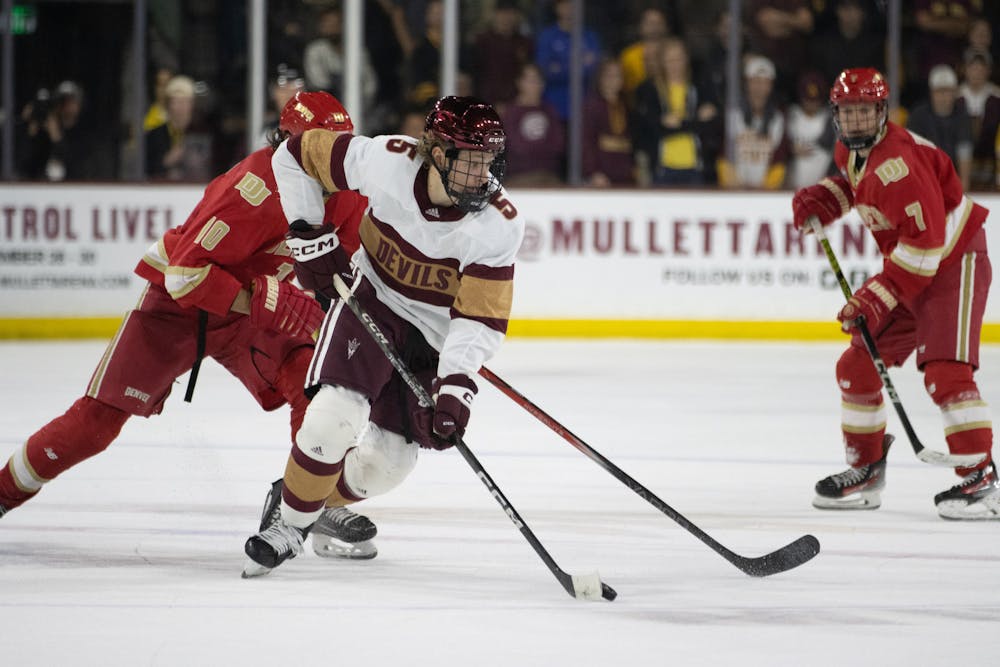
[
  {"x": 565, "y": 579},
  {"x": 928, "y": 456},
  {"x": 755, "y": 567}
]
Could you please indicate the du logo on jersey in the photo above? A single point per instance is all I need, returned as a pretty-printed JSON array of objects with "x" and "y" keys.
[{"x": 352, "y": 347}]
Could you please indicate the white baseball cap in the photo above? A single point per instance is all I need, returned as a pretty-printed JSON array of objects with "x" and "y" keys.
[
  {"x": 942, "y": 76},
  {"x": 758, "y": 67}
]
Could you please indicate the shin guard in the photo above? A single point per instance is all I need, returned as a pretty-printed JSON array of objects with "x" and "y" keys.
[
  {"x": 967, "y": 424},
  {"x": 84, "y": 430},
  {"x": 862, "y": 409}
]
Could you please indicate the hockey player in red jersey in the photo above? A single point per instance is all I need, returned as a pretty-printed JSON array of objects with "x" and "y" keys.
[
  {"x": 435, "y": 271},
  {"x": 219, "y": 286},
  {"x": 929, "y": 296}
]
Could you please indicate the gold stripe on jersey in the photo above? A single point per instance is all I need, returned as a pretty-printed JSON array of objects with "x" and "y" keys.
[
  {"x": 479, "y": 298},
  {"x": 317, "y": 148},
  {"x": 157, "y": 256},
  {"x": 94, "y": 387},
  {"x": 861, "y": 419},
  {"x": 965, "y": 306},
  {"x": 955, "y": 225},
  {"x": 180, "y": 281},
  {"x": 918, "y": 261},
  {"x": 404, "y": 272}
]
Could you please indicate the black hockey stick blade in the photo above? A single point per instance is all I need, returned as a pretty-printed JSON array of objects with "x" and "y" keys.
[{"x": 787, "y": 557}]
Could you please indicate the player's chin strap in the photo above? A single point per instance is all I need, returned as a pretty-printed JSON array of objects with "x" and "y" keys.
[
  {"x": 926, "y": 455},
  {"x": 199, "y": 354}
]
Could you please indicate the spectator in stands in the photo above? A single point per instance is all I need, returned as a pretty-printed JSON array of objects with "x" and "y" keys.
[
  {"x": 760, "y": 145},
  {"x": 944, "y": 122},
  {"x": 156, "y": 114},
  {"x": 499, "y": 53},
  {"x": 606, "y": 137},
  {"x": 423, "y": 65},
  {"x": 669, "y": 115},
  {"x": 637, "y": 59},
  {"x": 323, "y": 61},
  {"x": 173, "y": 151},
  {"x": 536, "y": 137},
  {"x": 552, "y": 55},
  {"x": 981, "y": 98},
  {"x": 849, "y": 43},
  {"x": 56, "y": 146},
  {"x": 412, "y": 122},
  {"x": 940, "y": 30},
  {"x": 779, "y": 30},
  {"x": 810, "y": 133},
  {"x": 283, "y": 87}
]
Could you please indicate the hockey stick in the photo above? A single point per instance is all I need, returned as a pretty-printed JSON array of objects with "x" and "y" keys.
[
  {"x": 584, "y": 587},
  {"x": 931, "y": 456},
  {"x": 787, "y": 557}
]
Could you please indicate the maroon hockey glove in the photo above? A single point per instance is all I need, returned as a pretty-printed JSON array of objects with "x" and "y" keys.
[
  {"x": 453, "y": 396},
  {"x": 318, "y": 256},
  {"x": 873, "y": 301},
  {"x": 423, "y": 431},
  {"x": 281, "y": 306},
  {"x": 828, "y": 200}
]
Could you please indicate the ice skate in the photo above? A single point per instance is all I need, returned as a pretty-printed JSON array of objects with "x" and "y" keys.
[
  {"x": 342, "y": 533},
  {"x": 856, "y": 488},
  {"x": 976, "y": 497},
  {"x": 272, "y": 505},
  {"x": 271, "y": 547}
]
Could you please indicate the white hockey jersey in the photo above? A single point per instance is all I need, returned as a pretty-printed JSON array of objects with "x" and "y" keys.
[{"x": 449, "y": 273}]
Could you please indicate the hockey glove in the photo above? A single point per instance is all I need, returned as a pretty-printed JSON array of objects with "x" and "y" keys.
[
  {"x": 828, "y": 200},
  {"x": 453, "y": 396},
  {"x": 281, "y": 306},
  {"x": 873, "y": 301},
  {"x": 318, "y": 256}
]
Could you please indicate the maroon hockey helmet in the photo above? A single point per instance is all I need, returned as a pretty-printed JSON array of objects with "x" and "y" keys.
[
  {"x": 860, "y": 85},
  {"x": 468, "y": 123},
  {"x": 307, "y": 111}
]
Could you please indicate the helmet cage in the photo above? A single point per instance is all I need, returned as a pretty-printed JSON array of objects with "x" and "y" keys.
[
  {"x": 459, "y": 124},
  {"x": 862, "y": 85},
  {"x": 456, "y": 169}
]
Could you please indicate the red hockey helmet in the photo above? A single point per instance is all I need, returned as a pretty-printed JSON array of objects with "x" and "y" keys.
[
  {"x": 467, "y": 123},
  {"x": 860, "y": 85},
  {"x": 307, "y": 111}
]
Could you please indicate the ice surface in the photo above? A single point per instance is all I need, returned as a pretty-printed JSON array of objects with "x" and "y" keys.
[{"x": 134, "y": 557}]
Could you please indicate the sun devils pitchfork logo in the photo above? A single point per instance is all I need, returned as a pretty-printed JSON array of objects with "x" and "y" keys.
[{"x": 352, "y": 347}]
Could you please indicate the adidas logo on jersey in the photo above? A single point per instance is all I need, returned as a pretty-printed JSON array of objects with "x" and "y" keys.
[{"x": 432, "y": 212}]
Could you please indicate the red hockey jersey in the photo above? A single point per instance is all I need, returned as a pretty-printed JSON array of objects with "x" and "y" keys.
[
  {"x": 236, "y": 232},
  {"x": 909, "y": 196}
]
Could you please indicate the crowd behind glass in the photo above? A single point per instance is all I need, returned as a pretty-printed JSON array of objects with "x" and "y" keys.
[{"x": 655, "y": 85}]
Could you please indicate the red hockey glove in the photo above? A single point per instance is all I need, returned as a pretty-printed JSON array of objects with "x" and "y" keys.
[
  {"x": 828, "y": 200},
  {"x": 873, "y": 301},
  {"x": 318, "y": 256},
  {"x": 281, "y": 306}
]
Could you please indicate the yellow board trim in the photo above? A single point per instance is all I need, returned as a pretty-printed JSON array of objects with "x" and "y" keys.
[{"x": 105, "y": 327}]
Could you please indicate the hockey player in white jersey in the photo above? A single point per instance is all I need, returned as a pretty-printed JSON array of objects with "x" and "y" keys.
[{"x": 435, "y": 270}]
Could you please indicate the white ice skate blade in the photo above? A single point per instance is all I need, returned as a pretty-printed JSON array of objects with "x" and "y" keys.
[
  {"x": 252, "y": 568},
  {"x": 866, "y": 500},
  {"x": 957, "y": 510},
  {"x": 329, "y": 547}
]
